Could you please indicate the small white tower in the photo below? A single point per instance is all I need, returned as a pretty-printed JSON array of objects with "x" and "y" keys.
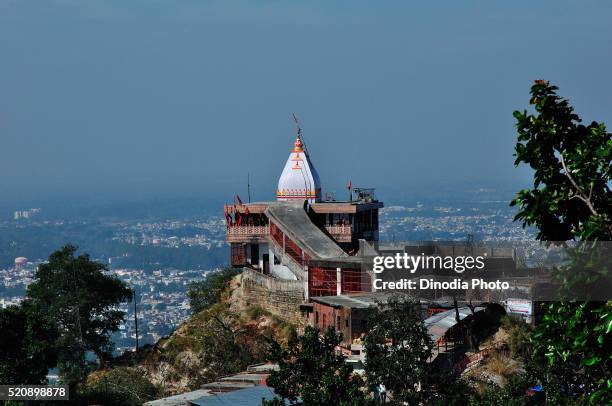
[{"x": 299, "y": 180}]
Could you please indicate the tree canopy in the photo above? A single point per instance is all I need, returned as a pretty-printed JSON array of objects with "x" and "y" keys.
[
  {"x": 26, "y": 345},
  {"x": 572, "y": 165},
  {"x": 311, "y": 371},
  {"x": 398, "y": 350},
  {"x": 79, "y": 300},
  {"x": 571, "y": 199}
]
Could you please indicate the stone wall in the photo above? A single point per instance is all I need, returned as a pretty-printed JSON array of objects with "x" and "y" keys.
[{"x": 280, "y": 297}]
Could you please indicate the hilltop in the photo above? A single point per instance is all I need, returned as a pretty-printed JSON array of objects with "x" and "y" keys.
[{"x": 215, "y": 342}]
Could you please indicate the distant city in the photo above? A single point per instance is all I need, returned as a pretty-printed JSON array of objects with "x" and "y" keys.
[{"x": 160, "y": 257}]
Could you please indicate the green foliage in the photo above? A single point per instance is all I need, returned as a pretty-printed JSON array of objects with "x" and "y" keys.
[
  {"x": 572, "y": 351},
  {"x": 311, "y": 370},
  {"x": 74, "y": 295},
  {"x": 519, "y": 334},
  {"x": 118, "y": 386},
  {"x": 206, "y": 293},
  {"x": 68, "y": 310},
  {"x": 26, "y": 346},
  {"x": 513, "y": 393},
  {"x": 398, "y": 348},
  {"x": 572, "y": 170},
  {"x": 397, "y": 341},
  {"x": 570, "y": 199}
]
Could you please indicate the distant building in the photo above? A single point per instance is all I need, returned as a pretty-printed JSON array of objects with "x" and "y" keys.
[
  {"x": 25, "y": 214},
  {"x": 20, "y": 262}
]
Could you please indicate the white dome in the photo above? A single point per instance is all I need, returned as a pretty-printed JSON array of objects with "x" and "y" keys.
[{"x": 299, "y": 180}]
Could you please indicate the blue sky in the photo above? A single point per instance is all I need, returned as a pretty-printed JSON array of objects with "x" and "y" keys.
[{"x": 161, "y": 98}]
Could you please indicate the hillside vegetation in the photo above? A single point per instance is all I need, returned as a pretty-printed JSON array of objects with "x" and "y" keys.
[{"x": 215, "y": 342}]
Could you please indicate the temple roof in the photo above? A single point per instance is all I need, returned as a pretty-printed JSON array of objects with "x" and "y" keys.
[{"x": 299, "y": 180}]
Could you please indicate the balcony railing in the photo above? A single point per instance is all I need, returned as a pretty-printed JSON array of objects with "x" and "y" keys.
[
  {"x": 248, "y": 231},
  {"x": 339, "y": 229},
  {"x": 341, "y": 233}
]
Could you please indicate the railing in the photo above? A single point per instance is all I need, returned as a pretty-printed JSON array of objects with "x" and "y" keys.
[
  {"x": 339, "y": 229},
  {"x": 296, "y": 268},
  {"x": 355, "y": 281},
  {"x": 248, "y": 230},
  {"x": 290, "y": 247},
  {"x": 277, "y": 234},
  {"x": 340, "y": 233},
  {"x": 294, "y": 251},
  {"x": 322, "y": 281}
]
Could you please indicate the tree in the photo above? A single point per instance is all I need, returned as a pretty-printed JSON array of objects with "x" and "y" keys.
[
  {"x": 311, "y": 370},
  {"x": 74, "y": 294},
  {"x": 398, "y": 348},
  {"x": 26, "y": 346},
  {"x": 570, "y": 199},
  {"x": 572, "y": 166},
  {"x": 207, "y": 292}
]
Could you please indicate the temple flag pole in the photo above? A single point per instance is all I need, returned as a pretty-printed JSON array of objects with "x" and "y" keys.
[
  {"x": 349, "y": 186},
  {"x": 249, "y": 186}
]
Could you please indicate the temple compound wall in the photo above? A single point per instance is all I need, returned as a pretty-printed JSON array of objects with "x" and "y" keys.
[{"x": 280, "y": 297}]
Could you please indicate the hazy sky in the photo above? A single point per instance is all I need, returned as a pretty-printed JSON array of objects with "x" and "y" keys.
[{"x": 131, "y": 99}]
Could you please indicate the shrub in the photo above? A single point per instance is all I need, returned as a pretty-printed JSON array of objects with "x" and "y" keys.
[
  {"x": 121, "y": 386},
  {"x": 204, "y": 294},
  {"x": 255, "y": 312},
  {"x": 519, "y": 334}
]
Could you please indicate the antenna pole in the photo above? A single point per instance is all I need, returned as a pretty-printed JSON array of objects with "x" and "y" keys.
[{"x": 136, "y": 319}]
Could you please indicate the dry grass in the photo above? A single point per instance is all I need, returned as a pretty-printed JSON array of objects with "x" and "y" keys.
[{"x": 501, "y": 364}]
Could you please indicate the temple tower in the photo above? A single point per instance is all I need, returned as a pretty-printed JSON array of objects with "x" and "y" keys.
[{"x": 299, "y": 180}]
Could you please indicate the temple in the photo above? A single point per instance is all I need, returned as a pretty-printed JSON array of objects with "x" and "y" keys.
[
  {"x": 307, "y": 257},
  {"x": 303, "y": 236}
]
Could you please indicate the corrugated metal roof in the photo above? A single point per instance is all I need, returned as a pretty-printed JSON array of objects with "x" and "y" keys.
[
  {"x": 438, "y": 324},
  {"x": 243, "y": 397},
  {"x": 179, "y": 400},
  {"x": 357, "y": 301}
]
